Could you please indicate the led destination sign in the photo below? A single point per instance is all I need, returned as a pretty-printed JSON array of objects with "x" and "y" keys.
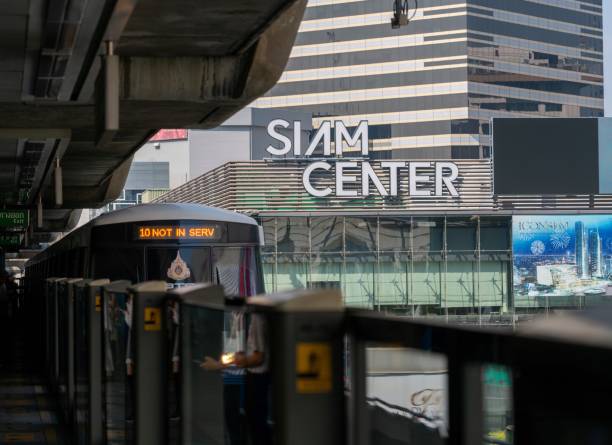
[
  {"x": 169, "y": 232},
  {"x": 338, "y": 177}
]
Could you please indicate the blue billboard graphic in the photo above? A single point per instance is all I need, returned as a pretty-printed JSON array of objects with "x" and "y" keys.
[{"x": 562, "y": 256}]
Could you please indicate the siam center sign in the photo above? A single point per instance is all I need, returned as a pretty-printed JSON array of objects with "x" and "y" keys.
[{"x": 358, "y": 177}]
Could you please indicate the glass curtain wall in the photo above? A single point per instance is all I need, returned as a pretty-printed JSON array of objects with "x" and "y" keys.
[{"x": 456, "y": 267}]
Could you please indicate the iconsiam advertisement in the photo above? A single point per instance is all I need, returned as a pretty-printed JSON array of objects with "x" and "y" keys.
[{"x": 562, "y": 256}]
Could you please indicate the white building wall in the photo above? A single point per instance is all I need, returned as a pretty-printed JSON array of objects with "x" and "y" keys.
[
  {"x": 209, "y": 149},
  {"x": 176, "y": 153}
]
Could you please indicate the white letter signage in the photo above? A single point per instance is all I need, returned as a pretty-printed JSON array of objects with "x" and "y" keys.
[{"x": 425, "y": 179}]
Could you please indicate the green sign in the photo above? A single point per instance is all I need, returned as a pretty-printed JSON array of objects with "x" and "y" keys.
[
  {"x": 14, "y": 219},
  {"x": 10, "y": 239}
]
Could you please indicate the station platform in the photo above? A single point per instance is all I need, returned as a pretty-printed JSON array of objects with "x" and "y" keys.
[
  {"x": 141, "y": 364},
  {"x": 28, "y": 412}
]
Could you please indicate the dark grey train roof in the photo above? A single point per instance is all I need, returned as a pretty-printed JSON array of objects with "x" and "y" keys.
[
  {"x": 148, "y": 213},
  {"x": 171, "y": 211}
]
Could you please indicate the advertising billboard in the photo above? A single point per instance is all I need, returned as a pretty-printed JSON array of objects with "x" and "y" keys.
[
  {"x": 557, "y": 256},
  {"x": 565, "y": 156}
]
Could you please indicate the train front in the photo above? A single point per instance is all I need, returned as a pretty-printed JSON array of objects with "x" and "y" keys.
[{"x": 181, "y": 252}]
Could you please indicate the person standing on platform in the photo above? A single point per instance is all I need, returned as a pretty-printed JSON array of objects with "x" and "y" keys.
[{"x": 257, "y": 363}]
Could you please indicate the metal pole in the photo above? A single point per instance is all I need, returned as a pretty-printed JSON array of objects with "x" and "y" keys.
[
  {"x": 445, "y": 259},
  {"x": 59, "y": 195},
  {"x": 478, "y": 271},
  {"x": 39, "y": 212}
]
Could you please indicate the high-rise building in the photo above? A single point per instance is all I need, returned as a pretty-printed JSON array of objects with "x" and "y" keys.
[
  {"x": 582, "y": 251},
  {"x": 595, "y": 254},
  {"x": 429, "y": 89}
]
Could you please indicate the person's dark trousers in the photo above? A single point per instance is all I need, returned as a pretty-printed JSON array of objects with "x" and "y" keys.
[
  {"x": 257, "y": 408},
  {"x": 232, "y": 402}
]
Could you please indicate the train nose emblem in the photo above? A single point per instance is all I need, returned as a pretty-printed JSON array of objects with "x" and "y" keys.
[{"x": 178, "y": 270}]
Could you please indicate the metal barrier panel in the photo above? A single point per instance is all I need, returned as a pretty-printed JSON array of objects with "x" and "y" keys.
[
  {"x": 117, "y": 388},
  {"x": 210, "y": 396},
  {"x": 62, "y": 341},
  {"x": 267, "y": 373},
  {"x": 303, "y": 335},
  {"x": 88, "y": 362},
  {"x": 51, "y": 329},
  {"x": 79, "y": 351},
  {"x": 149, "y": 362},
  {"x": 68, "y": 359},
  {"x": 47, "y": 325},
  {"x": 414, "y": 381}
]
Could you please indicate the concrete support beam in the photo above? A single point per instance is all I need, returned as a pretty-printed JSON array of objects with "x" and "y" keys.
[
  {"x": 183, "y": 79},
  {"x": 149, "y": 64},
  {"x": 107, "y": 98},
  {"x": 34, "y": 134},
  {"x": 54, "y": 149}
]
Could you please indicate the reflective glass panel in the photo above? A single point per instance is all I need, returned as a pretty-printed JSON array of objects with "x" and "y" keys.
[
  {"x": 461, "y": 236},
  {"x": 395, "y": 234},
  {"x": 268, "y": 263},
  {"x": 459, "y": 286},
  {"x": 494, "y": 235},
  {"x": 428, "y": 234},
  {"x": 358, "y": 286},
  {"x": 498, "y": 411},
  {"x": 119, "y": 264},
  {"x": 292, "y": 235},
  {"x": 407, "y": 395},
  {"x": 426, "y": 285},
  {"x": 227, "y": 376},
  {"x": 118, "y": 368},
  {"x": 493, "y": 284},
  {"x": 292, "y": 271},
  {"x": 392, "y": 281},
  {"x": 361, "y": 234},
  {"x": 269, "y": 229},
  {"x": 235, "y": 268},
  {"x": 325, "y": 271},
  {"x": 327, "y": 234},
  {"x": 208, "y": 403}
]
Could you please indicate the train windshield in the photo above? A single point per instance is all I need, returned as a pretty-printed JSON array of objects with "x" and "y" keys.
[{"x": 235, "y": 268}]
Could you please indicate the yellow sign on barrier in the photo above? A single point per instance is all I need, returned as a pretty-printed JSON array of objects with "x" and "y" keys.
[
  {"x": 313, "y": 368},
  {"x": 152, "y": 319}
]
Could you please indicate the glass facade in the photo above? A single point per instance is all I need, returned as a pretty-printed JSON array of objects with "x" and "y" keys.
[
  {"x": 455, "y": 266},
  {"x": 429, "y": 89}
]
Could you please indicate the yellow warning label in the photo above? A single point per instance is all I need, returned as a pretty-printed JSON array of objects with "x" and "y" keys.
[
  {"x": 313, "y": 368},
  {"x": 98, "y": 303},
  {"x": 152, "y": 319}
]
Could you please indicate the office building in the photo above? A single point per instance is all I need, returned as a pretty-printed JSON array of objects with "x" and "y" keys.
[{"x": 429, "y": 89}]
